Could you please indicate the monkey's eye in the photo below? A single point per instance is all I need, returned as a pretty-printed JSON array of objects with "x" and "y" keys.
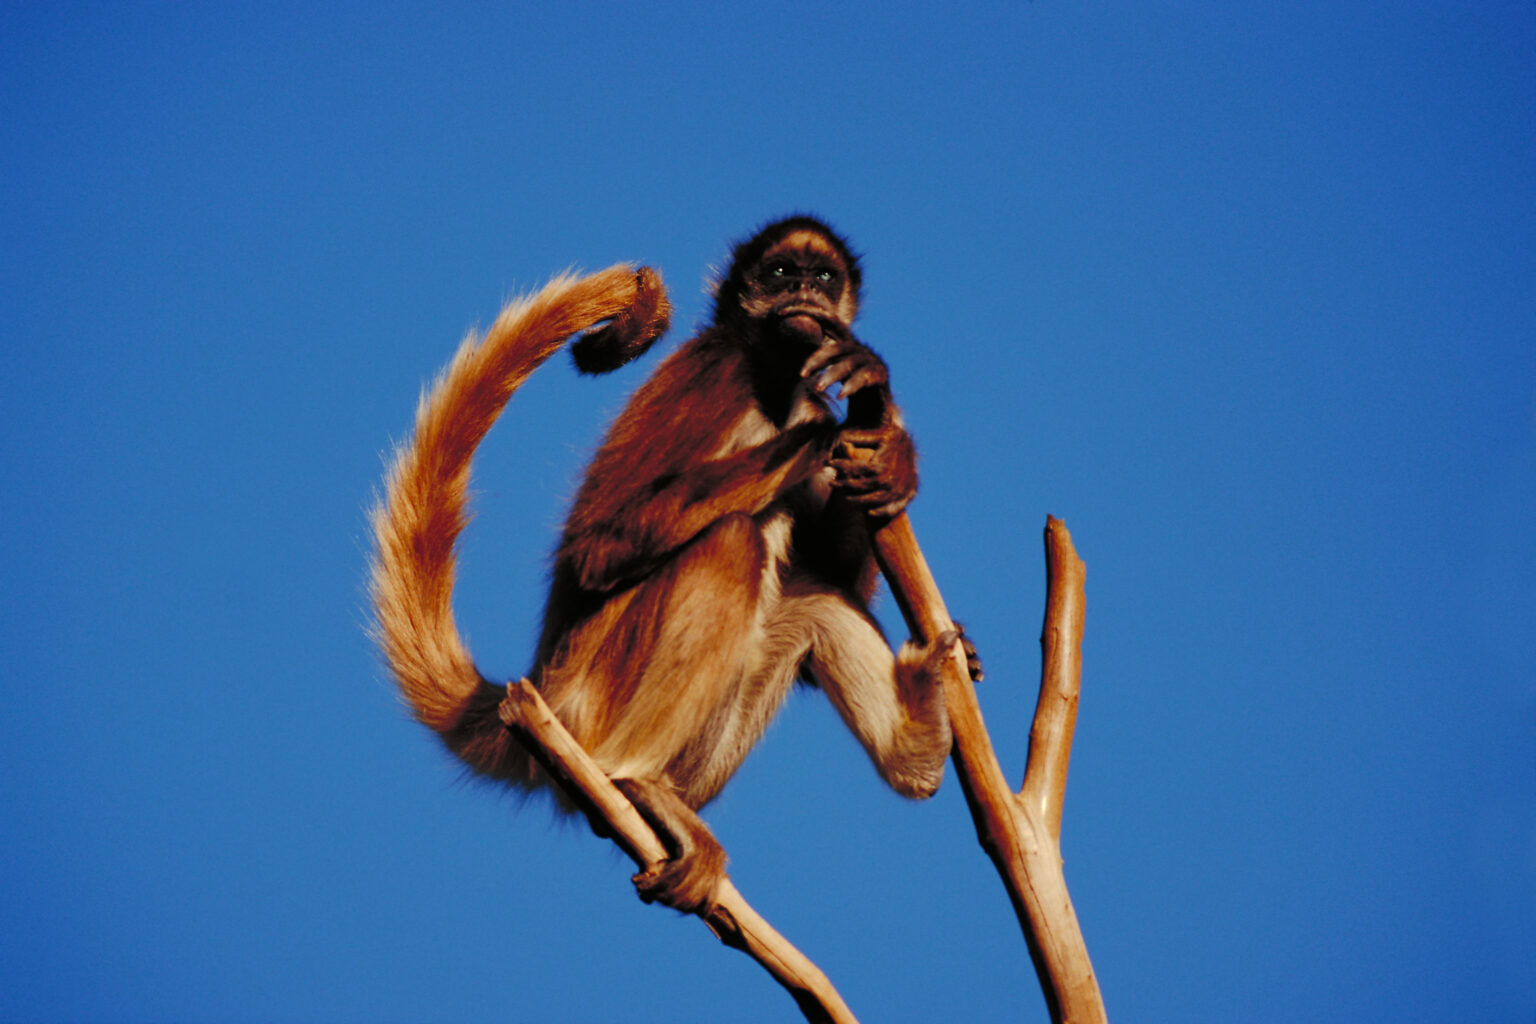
[
  {"x": 779, "y": 269},
  {"x": 824, "y": 275}
]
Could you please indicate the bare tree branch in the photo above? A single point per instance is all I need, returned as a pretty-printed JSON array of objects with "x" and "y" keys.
[
  {"x": 732, "y": 920},
  {"x": 1020, "y": 832},
  {"x": 1061, "y": 673}
]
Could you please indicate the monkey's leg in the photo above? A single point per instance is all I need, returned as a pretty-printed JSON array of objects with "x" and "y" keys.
[
  {"x": 676, "y": 739},
  {"x": 893, "y": 703},
  {"x": 685, "y": 881},
  {"x": 688, "y": 641}
]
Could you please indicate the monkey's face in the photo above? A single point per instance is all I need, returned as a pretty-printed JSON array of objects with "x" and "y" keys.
[
  {"x": 798, "y": 287},
  {"x": 802, "y": 274}
]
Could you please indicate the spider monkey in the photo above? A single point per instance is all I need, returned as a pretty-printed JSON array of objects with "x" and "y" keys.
[{"x": 717, "y": 550}]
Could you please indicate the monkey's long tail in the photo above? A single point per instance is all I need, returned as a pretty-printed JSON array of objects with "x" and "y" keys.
[{"x": 417, "y": 523}]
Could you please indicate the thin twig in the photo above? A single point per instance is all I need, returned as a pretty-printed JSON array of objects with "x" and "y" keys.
[
  {"x": 1061, "y": 673},
  {"x": 732, "y": 920}
]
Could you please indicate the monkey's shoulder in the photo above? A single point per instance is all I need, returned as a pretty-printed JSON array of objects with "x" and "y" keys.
[
  {"x": 710, "y": 358},
  {"x": 697, "y": 390}
]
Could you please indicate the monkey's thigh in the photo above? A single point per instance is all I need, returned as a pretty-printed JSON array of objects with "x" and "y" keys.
[
  {"x": 695, "y": 630},
  {"x": 849, "y": 659}
]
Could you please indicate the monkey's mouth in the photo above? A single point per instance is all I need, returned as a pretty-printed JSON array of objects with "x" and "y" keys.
[
  {"x": 815, "y": 312},
  {"x": 803, "y": 329}
]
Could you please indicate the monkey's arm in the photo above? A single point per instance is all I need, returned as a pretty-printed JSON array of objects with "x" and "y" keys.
[{"x": 691, "y": 448}]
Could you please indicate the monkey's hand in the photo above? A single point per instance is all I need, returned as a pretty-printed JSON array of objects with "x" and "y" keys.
[
  {"x": 847, "y": 363},
  {"x": 875, "y": 470}
]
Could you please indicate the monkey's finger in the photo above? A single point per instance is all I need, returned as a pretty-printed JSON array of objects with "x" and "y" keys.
[
  {"x": 676, "y": 884},
  {"x": 872, "y": 496},
  {"x": 863, "y": 495},
  {"x": 832, "y": 352},
  {"x": 836, "y": 372},
  {"x": 852, "y": 470},
  {"x": 648, "y": 883},
  {"x": 973, "y": 663},
  {"x": 826, "y": 353},
  {"x": 854, "y": 452},
  {"x": 872, "y": 375},
  {"x": 972, "y": 658},
  {"x": 890, "y": 509},
  {"x": 864, "y": 440}
]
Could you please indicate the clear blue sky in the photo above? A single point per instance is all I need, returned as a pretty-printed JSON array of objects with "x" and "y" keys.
[{"x": 1244, "y": 293}]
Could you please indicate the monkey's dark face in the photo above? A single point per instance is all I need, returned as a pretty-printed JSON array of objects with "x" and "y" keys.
[
  {"x": 802, "y": 270},
  {"x": 793, "y": 268},
  {"x": 803, "y": 274}
]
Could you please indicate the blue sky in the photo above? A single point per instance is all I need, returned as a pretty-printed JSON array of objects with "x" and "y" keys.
[{"x": 1243, "y": 293}]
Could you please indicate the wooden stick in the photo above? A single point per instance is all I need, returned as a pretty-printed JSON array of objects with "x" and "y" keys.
[
  {"x": 732, "y": 920},
  {"x": 1061, "y": 673},
  {"x": 1020, "y": 832}
]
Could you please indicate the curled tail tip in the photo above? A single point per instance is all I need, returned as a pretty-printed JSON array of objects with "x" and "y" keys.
[{"x": 631, "y": 333}]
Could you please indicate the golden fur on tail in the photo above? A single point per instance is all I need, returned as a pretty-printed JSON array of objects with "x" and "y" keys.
[{"x": 417, "y": 523}]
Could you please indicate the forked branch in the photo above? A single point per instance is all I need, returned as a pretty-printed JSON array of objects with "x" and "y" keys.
[
  {"x": 1019, "y": 831},
  {"x": 733, "y": 920}
]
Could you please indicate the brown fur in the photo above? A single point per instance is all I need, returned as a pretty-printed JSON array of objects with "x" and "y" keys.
[{"x": 717, "y": 550}]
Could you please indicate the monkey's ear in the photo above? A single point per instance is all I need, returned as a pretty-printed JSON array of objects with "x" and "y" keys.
[{"x": 629, "y": 334}]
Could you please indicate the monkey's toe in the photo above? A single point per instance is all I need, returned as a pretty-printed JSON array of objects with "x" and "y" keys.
[{"x": 686, "y": 883}]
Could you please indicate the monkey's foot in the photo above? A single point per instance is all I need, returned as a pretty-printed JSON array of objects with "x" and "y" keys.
[
  {"x": 930, "y": 657},
  {"x": 972, "y": 659},
  {"x": 687, "y": 883},
  {"x": 936, "y": 651},
  {"x": 688, "y": 878}
]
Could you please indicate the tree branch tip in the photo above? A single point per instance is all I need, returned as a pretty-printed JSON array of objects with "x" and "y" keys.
[{"x": 520, "y": 699}]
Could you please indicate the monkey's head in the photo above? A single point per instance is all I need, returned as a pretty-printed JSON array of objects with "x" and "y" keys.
[{"x": 788, "y": 282}]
